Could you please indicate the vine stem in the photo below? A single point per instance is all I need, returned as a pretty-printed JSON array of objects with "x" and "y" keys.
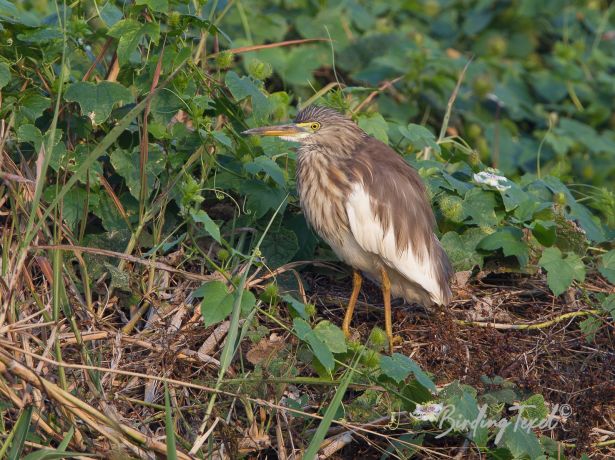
[{"x": 507, "y": 326}]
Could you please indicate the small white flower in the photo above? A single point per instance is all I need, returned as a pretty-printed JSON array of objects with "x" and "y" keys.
[
  {"x": 428, "y": 412},
  {"x": 492, "y": 179}
]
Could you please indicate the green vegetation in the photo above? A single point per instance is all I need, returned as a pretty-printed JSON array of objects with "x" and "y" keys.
[{"x": 131, "y": 202}]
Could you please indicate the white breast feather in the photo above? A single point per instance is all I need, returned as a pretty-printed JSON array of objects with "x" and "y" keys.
[{"x": 372, "y": 237}]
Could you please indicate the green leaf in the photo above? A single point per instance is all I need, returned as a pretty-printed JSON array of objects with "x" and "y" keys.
[
  {"x": 130, "y": 34},
  {"x": 126, "y": 164},
  {"x": 217, "y": 302},
  {"x": 48, "y": 454},
  {"x": 318, "y": 347},
  {"x": 269, "y": 167},
  {"x": 521, "y": 442},
  {"x": 479, "y": 206},
  {"x": 462, "y": 409},
  {"x": 462, "y": 248},
  {"x": 261, "y": 197},
  {"x": 374, "y": 125},
  {"x": 419, "y": 136},
  {"x": 210, "y": 226},
  {"x": 33, "y": 105},
  {"x": 279, "y": 247},
  {"x": 169, "y": 425},
  {"x": 97, "y": 99},
  {"x": 545, "y": 231},
  {"x": 161, "y": 6},
  {"x": 20, "y": 432},
  {"x": 243, "y": 87},
  {"x": 30, "y": 133},
  {"x": 414, "y": 393},
  {"x": 589, "y": 326},
  {"x": 331, "y": 335},
  {"x": 5, "y": 74},
  {"x": 608, "y": 305},
  {"x": 399, "y": 366},
  {"x": 298, "y": 307},
  {"x": 534, "y": 408},
  {"x": 509, "y": 239},
  {"x": 607, "y": 266},
  {"x": 119, "y": 279},
  {"x": 561, "y": 270}
]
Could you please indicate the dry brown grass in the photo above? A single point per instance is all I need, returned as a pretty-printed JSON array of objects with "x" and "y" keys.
[{"x": 102, "y": 369}]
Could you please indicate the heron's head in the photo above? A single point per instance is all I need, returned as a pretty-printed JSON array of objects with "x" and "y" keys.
[{"x": 317, "y": 126}]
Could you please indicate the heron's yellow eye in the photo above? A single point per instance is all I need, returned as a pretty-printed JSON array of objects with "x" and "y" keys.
[{"x": 315, "y": 126}]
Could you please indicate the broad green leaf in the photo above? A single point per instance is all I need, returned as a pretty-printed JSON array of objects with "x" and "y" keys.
[
  {"x": 97, "y": 99},
  {"x": 166, "y": 105},
  {"x": 302, "y": 328},
  {"x": 243, "y": 87},
  {"x": 73, "y": 203},
  {"x": 399, "y": 366},
  {"x": 561, "y": 269},
  {"x": 520, "y": 441},
  {"x": 419, "y": 136},
  {"x": 577, "y": 211},
  {"x": 210, "y": 226},
  {"x": 607, "y": 266},
  {"x": 30, "y": 133},
  {"x": 509, "y": 240},
  {"x": 269, "y": 167},
  {"x": 462, "y": 248},
  {"x": 5, "y": 74},
  {"x": 545, "y": 231},
  {"x": 261, "y": 197},
  {"x": 279, "y": 247},
  {"x": 126, "y": 164},
  {"x": 608, "y": 305},
  {"x": 297, "y": 306},
  {"x": 534, "y": 408},
  {"x": 318, "y": 347},
  {"x": 130, "y": 34},
  {"x": 41, "y": 36},
  {"x": 119, "y": 279},
  {"x": 161, "y": 6},
  {"x": 33, "y": 105},
  {"x": 217, "y": 301},
  {"x": 222, "y": 138},
  {"x": 374, "y": 125},
  {"x": 331, "y": 335},
  {"x": 479, "y": 207},
  {"x": 414, "y": 393},
  {"x": 589, "y": 326}
]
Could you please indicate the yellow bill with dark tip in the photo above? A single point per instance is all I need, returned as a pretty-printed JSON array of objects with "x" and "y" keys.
[{"x": 279, "y": 130}]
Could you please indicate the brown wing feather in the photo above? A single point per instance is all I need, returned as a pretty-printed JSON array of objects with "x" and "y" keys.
[{"x": 399, "y": 199}]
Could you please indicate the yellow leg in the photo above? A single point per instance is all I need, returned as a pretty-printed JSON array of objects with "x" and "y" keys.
[
  {"x": 386, "y": 294},
  {"x": 357, "y": 279}
]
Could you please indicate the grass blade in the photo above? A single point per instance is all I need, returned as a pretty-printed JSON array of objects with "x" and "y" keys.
[
  {"x": 169, "y": 428},
  {"x": 19, "y": 433}
]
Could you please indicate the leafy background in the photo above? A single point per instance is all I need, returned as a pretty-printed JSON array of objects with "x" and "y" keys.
[{"x": 121, "y": 133}]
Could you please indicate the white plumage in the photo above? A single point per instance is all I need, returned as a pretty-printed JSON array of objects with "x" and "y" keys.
[{"x": 373, "y": 239}]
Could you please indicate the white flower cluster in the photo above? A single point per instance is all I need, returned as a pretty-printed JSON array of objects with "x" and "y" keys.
[{"x": 493, "y": 180}]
